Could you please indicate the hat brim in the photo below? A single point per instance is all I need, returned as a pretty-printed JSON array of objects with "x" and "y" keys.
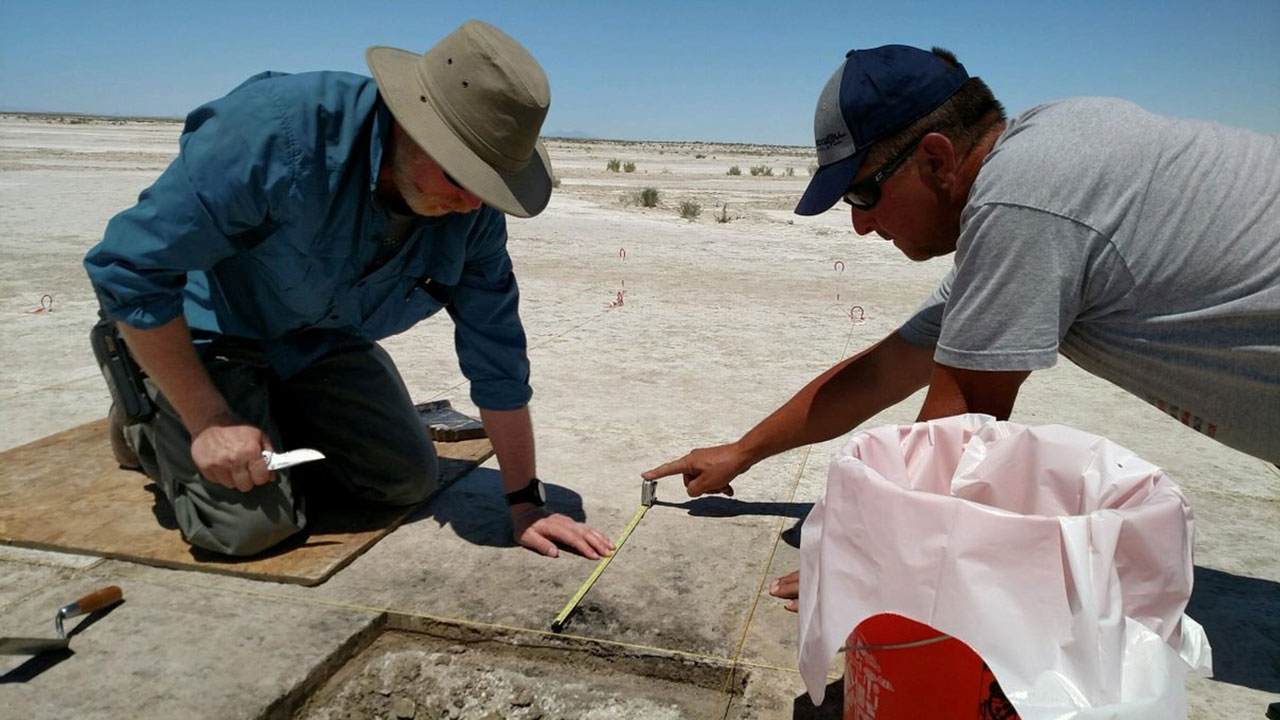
[
  {"x": 828, "y": 184},
  {"x": 523, "y": 193}
]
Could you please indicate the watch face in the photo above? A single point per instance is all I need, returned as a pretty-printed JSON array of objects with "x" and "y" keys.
[{"x": 540, "y": 490}]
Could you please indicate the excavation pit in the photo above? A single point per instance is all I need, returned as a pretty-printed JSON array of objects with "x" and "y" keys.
[{"x": 460, "y": 673}]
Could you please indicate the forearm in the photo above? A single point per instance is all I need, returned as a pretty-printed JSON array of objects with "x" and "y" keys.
[
  {"x": 169, "y": 358},
  {"x": 953, "y": 391},
  {"x": 511, "y": 432},
  {"x": 842, "y": 398}
]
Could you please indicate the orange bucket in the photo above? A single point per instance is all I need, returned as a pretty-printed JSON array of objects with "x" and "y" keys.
[{"x": 899, "y": 669}]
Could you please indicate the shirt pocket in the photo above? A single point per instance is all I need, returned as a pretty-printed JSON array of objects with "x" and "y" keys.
[{"x": 396, "y": 307}]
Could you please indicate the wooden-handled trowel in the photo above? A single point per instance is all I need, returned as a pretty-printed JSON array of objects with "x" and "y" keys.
[{"x": 97, "y": 600}]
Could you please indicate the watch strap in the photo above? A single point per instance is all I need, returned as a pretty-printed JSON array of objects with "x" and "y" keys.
[{"x": 531, "y": 493}]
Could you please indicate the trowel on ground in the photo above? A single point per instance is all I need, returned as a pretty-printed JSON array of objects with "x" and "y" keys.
[{"x": 97, "y": 600}]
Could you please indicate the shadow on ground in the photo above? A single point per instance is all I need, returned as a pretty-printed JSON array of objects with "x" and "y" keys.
[
  {"x": 41, "y": 662},
  {"x": 1241, "y": 616},
  {"x": 832, "y": 707},
  {"x": 475, "y": 507},
  {"x": 723, "y": 507}
]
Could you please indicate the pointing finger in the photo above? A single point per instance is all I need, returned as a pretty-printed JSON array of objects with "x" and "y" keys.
[{"x": 675, "y": 467}]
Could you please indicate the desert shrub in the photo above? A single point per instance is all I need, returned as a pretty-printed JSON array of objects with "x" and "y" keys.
[
  {"x": 699, "y": 156},
  {"x": 813, "y": 169},
  {"x": 649, "y": 197},
  {"x": 789, "y": 172},
  {"x": 628, "y": 166},
  {"x": 761, "y": 170},
  {"x": 555, "y": 181},
  {"x": 690, "y": 210},
  {"x": 735, "y": 170},
  {"x": 613, "y": 165},
  {"x": 723, "y": 215}
]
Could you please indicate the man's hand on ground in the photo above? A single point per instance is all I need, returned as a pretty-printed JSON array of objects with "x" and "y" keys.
[
  {"x": 787, "y": 587},
  {"x": 543, "y": 531},
  {"x": 230, "y": 453},
  {"x": 705, "y": 470}
]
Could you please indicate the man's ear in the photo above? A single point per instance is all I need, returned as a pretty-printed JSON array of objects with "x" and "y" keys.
[{"x": 941, "y": 159}]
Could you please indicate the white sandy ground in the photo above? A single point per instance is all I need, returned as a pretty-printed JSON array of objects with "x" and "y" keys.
[{"x": 720, "y": 323}]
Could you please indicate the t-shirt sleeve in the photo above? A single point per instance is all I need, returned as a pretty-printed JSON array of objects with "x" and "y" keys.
[
  {"x": 1019, "y": 284},
  {"x": 924, "y": 326}
]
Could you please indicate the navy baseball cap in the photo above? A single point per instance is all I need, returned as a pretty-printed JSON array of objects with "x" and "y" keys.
[{"x": 872, "y": 95}]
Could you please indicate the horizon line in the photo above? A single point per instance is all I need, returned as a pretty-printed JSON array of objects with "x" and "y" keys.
[{"x": 574, "y": 136}]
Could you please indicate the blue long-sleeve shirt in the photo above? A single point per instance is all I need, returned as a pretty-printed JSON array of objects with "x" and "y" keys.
[{"x": 265, "y": 227}]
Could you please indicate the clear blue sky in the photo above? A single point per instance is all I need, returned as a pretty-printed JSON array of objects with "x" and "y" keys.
[{"x": 740, "y": 71}]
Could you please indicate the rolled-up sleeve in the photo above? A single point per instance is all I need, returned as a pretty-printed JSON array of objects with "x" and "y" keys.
[
  {"x": 490, "y": 339},
  {"x": 234, "y": 156}
]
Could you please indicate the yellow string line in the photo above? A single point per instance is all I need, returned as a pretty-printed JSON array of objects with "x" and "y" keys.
[
  {"x": 461, "y": 623},
  {"x": 533, "y": 346},
  {"x": 768, "y": 565},
  {"x": 737, "y": 661}
]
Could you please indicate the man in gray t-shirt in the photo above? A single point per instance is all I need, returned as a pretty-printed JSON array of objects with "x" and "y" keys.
[{"x": 1146, "y": 249}]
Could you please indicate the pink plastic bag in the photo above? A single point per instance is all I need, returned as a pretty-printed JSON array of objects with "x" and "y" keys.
[{"x": 1062, "y": 558}]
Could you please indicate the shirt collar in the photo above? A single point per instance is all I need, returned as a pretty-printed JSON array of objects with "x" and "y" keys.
[{"x": 382, "y": 123}]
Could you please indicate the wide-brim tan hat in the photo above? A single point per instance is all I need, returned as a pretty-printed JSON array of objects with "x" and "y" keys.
[{"x": 475, "y": 103}]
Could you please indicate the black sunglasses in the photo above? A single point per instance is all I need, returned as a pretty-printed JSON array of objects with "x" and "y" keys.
[{"x": 865, "y": 193}]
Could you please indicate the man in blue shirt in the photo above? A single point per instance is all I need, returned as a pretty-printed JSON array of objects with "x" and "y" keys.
[{"x": 306, "y": 217}]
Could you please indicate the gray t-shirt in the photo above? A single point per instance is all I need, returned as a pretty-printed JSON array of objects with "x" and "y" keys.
[{"x": 1144, "y": 248}]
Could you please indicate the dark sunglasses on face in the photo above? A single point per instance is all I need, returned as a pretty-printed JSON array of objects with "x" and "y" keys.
[{"x": 865, "y": 193}]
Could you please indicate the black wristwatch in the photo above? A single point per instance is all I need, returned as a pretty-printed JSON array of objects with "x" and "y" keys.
[{"x": 535, "y": 492}]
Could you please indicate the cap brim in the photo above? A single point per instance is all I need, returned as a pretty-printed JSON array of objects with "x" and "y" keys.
[
  {"x": 828, "y": 184},
  {"x": 523, "y": 193}
]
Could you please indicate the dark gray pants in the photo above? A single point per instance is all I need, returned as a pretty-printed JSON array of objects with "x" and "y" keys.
[{"x": 351, "y": 404}]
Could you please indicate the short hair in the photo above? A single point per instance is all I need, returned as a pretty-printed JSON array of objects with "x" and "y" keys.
[{"x": 964, "y": 117}]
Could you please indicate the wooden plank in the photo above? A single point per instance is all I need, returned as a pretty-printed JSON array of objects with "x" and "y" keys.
[{"x": 65, "y": 493}]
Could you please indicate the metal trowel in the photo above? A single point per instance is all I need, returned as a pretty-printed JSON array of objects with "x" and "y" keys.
[{"x": 97, "y": 600}]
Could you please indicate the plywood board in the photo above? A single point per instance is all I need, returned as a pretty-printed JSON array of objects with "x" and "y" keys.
[{"x": 64, "y": 492}]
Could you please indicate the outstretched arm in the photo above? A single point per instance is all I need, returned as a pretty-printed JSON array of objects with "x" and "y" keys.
[
  {"x": 832, "y": 404},
  {"x": 952, "y": 391}
]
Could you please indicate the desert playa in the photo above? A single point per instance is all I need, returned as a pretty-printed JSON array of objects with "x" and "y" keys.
[{"x": 669, "y": 305}]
